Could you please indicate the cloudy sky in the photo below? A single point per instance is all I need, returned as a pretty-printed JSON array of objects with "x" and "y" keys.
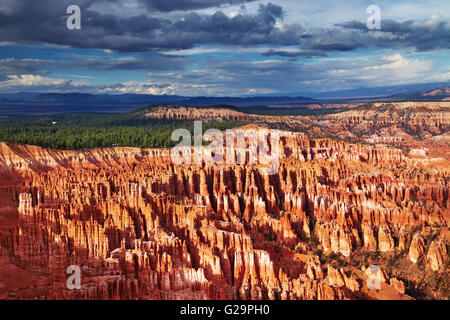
[{"x": 221, "y": 47}]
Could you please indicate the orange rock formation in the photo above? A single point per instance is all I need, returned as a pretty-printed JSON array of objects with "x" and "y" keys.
[{"x": 140, "y": 227}]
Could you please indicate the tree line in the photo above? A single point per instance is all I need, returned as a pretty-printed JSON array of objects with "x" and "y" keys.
[{"x": 87, "y": 131}]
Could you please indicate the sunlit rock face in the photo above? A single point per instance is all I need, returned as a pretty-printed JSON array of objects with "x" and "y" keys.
[
  {"x": 417, "y": 248},
  {"x": 437, "y": 255},
  {"x": 140, "y": 227}
]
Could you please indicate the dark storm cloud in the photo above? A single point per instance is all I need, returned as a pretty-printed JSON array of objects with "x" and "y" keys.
[
  {"x": 429, "y": 35},
  {"x": 33, "y": 25},
  {"x": 172, "y": 5},
  {"x": 294, "y": 54},
  {"x": 154, "y": 62},
  {"x": 44, "y": 21}
]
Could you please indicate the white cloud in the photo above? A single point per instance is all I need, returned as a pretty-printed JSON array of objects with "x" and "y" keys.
[
  {"x": 396, "y": 69},
  {"x": 30, "y": 80},
  {"x": 139, "y": 87},
  {"x": 26, "y": 82}
]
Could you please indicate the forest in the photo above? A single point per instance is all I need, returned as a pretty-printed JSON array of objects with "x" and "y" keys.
[{"x": 87, "y": 131}]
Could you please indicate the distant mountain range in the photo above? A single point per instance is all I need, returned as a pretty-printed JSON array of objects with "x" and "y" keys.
[{"x": 42, "y": 103}]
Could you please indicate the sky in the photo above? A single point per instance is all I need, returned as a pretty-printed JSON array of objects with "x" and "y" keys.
[{"x": 221, "y": 47}]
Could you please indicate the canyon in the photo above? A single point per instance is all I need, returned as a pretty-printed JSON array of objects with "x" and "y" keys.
[{"x": 339, "y": 220}]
